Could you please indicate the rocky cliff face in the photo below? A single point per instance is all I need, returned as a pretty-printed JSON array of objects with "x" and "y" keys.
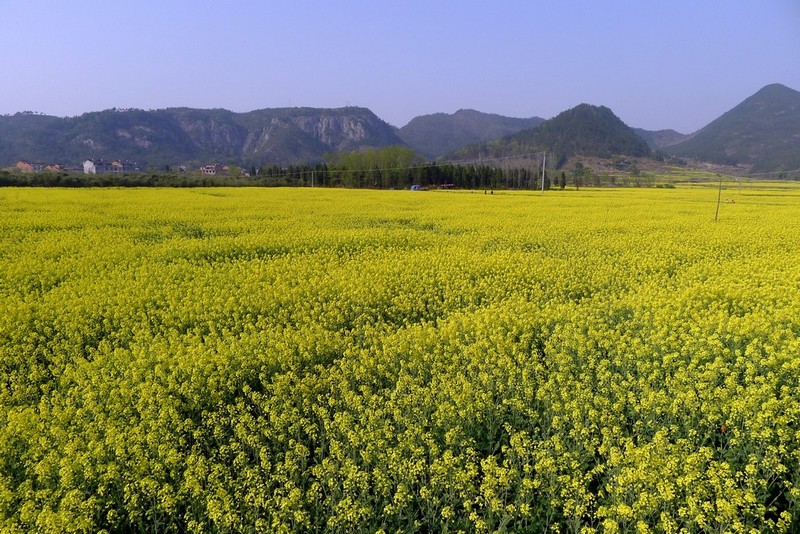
[
  {"x": 214, "y": 135},
  {"x": 335, "y": 131}
]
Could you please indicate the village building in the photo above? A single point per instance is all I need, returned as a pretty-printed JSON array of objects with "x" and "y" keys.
[
  {"x": 29, "y": 166},
  {"x": 214, "y": 169},
  {"x": 99, "y": 166}
]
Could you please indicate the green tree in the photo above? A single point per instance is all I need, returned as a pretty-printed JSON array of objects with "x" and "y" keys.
[{"x": 579, "y": 174}]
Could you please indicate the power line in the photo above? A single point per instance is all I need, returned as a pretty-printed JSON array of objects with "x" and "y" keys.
[{"x": 770, "y": 173}]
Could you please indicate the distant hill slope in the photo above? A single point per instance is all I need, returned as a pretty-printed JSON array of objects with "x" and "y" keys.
[
  {"x": 660, "y": 139},
  {"x": 583, "y": 130},
  {"x": 762, "y": 133},
  {"x": 437, "y": 134},
  {"x": 24, "y": 136},
  {"x": 180, "y": 135}
]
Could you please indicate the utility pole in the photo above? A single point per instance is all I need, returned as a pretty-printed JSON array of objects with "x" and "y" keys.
[
  {"x": 544, "y": 163},
  {"x": 719, "y": 197},
  {"x": 312, "y": 178}
]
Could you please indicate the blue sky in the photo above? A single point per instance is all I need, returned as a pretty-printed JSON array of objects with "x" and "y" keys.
[{"x": 656, "y": 64}]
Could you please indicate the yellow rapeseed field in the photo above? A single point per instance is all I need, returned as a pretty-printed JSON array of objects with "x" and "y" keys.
[{"x": 317, "y": 360}]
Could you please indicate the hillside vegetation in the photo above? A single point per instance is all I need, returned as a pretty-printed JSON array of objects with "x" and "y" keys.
[
  {"x": 438, "y": 134},
  {"x": 761, "y": 134},
  {"x": 583, "y": 130}
]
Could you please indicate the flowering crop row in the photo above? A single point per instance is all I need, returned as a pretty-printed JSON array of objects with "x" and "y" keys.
[{"x": 246, "y": 360}]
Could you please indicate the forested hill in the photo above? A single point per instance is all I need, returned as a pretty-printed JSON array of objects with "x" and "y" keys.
[
  {"x": 182, "y": 135},
  {"x": 439, "y": 133},
  {"x": 762, "y": 133},
  {"x": 583, "y": 130}
]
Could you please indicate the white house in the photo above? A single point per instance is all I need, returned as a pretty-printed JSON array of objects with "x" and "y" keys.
[{"x": 99, "y": 166}]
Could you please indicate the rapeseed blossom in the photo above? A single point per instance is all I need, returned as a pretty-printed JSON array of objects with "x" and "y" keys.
[{"x": 280, "y": 360}]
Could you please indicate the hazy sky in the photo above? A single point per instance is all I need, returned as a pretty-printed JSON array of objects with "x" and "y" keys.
[{"x": 657, "y": 64}]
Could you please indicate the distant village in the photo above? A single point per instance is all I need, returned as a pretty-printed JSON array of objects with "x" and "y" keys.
[{"x": 100, "y": 166}]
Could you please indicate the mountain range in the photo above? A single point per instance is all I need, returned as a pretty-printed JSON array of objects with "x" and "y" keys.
[
  {"x": 174, "y": 136},
  {"x": 762, "y": 134}
]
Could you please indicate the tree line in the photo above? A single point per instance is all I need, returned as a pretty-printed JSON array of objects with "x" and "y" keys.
[
  {"x": 395, "y": 167},
  {"x": 329, "y": 174}
]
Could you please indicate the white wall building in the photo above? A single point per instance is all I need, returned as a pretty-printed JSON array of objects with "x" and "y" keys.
[{"x": 99, "y": 166}]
